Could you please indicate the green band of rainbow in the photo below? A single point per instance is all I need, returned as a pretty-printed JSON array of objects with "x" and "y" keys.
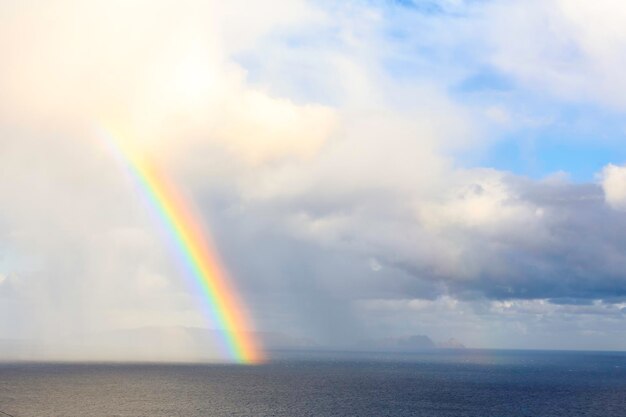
[{"x": 226, "y": 308}]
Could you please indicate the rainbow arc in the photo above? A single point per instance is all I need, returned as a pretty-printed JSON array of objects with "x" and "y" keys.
[{"x": 184, "y": 228}]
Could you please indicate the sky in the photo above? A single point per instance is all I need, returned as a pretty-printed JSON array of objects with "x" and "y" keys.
[{"x": 366, "y": 169}]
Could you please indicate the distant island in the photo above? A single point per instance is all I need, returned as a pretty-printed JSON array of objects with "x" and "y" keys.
[{"x": 411, "y": 343}]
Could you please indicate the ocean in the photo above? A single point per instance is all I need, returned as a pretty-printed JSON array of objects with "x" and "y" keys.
[{"x": 480, "y": 383}]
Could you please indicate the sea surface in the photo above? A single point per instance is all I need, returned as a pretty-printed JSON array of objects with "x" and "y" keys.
[{"x": 479, "y": 383}]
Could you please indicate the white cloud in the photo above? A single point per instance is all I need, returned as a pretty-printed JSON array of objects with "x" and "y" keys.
[
  {"x": 571, "y": 48},
  {"x": 482, "y": 201},
  {"x": 162, "y": 75},
  {"x": 614, "y": 186}
]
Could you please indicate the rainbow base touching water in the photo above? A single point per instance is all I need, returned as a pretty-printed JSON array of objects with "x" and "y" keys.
[{"x": 226, "y": 309}]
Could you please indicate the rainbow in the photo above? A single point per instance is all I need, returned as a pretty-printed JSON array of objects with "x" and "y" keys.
[{"x": 185, "y": 230}]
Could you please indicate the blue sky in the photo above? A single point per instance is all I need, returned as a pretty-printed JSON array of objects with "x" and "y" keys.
[{"x": 577, "y": 137}]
